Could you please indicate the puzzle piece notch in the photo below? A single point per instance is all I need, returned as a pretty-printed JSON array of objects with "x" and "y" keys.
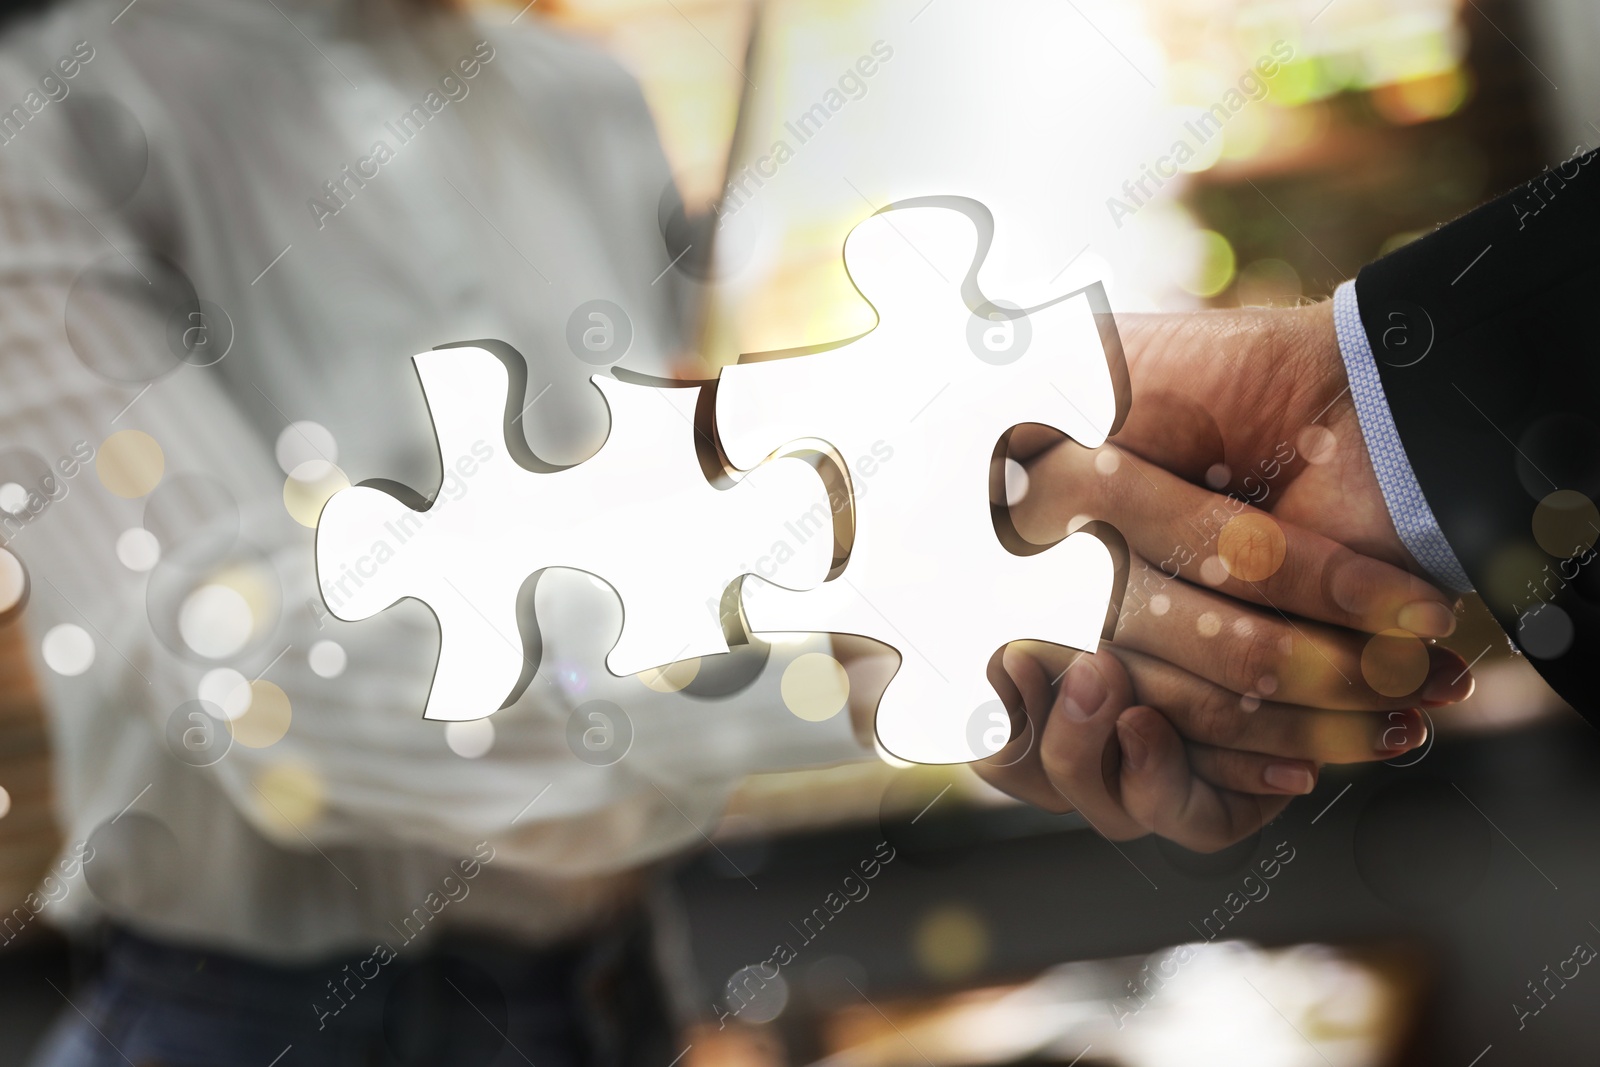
[
  {"x": 918, "y": 385},
  {"x": 640, "y": 515}
]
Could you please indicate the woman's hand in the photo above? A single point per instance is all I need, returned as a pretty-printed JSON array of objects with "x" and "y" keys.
[{"x": 1203, "y": 776}]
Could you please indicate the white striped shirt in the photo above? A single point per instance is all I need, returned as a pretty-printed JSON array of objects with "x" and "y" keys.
[{"x": 203, "y": 132}]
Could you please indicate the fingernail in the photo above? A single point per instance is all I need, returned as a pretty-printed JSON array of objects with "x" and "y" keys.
[
  {"x": 1405, "y": 729},
  {"x": 1134, "y": 750},
  {"x": 1288, "y": 778},
  {"x": 1428, "y": 618},
  {"x": 1084, "y": 692},
  {"x": 1448, "y": 682}
]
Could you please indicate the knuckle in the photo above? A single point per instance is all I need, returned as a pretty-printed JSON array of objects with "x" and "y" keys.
[
  {"x": 1296, "y": 579},
  {"x": 1349, "y": 584},
  {"x": 1062, "y": 760},
  {"x": 1253, "y": 652},
  {"x": 1218, "y": 719}
]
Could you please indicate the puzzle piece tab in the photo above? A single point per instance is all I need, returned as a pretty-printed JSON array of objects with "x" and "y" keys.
[
  {"x": 639, "y": 514},
  {"x": 936, "y": 386}
]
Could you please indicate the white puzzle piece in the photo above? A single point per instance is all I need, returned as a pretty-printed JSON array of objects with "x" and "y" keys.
[
  {"x": 938, "y": 386},
  {"x": 639, "y": 514}
]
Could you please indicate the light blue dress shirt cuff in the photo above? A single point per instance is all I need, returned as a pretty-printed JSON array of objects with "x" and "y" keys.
[{"x": 1419, "y": 530}]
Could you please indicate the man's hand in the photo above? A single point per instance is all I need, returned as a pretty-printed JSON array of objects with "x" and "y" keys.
[
  {"x": 1219, "y": 394},
  {"x": 1244, "y": 655},
  {"x": 1221, "y": 594},
  {"x": 1241, "y": 623}
]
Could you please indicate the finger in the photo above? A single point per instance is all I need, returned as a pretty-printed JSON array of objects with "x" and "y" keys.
[
  {"x": 1077, "y": 746},
  {"x": 1224, "y": 543},
  {"x": 1260, "y": 652},
  {"x": 1207, "y": 714},
  {"x": 1024, "y": 687},
  {"x": 1252, "y": 772},
  {"x": 1160, "y": 790}
]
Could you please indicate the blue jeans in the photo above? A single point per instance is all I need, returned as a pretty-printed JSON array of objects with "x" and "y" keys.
[{"x": 464, "y": 1003}]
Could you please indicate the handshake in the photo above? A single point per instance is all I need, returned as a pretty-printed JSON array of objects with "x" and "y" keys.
[{"x": 1272, "y": 621}]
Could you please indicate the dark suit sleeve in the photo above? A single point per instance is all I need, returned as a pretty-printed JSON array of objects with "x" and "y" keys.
[{"x": 1500, "y": 417}]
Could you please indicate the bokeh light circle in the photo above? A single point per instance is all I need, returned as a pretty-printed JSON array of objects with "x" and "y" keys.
[
  {"x": 215, "y": 621},
  {"x": 470, "y": 740},
  {"x": 1016, "y": 483},
  {"x": 304, "y": 442},
  {"x": 13, "y": 498},
  {"x": 1560, "y": 450},
  {"x": 130, "y": 464},
  {"x": 109, "y": 150},
  {"x": 1316, "y": 444},
  {"x": 1252, "y": 547},
  {"x": 1214, "y": 265},
  {"x": 267, "y": 719},
  {"x": 68, "y": 649},
  {"x": 1268, "y": 283},
  {"x": 293, "y": 797},
  {"x": 139, "y": 293},
  {"x": 1394, "y": 662},
  {"x": 29, "y": 486},
  {"x": 327, "y": 659},
  {"x": 1566, "y": 523},
  {"x": 815, "y": 687},
  {"x": 225, "y": 692},
  {"x": 13, "y": 585},
  {"x": 308, "y": 488},
  {"x": 758, "y": 993},
  {"x": 138, "y": 550},
  {"x": 137, "y": 864},
  {"x": 1546, "y": 632},
  {"x": 951, "y": 942}
]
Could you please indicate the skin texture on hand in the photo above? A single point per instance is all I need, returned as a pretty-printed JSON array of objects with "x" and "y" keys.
[
  {"x": 1244, "y": 626},
  {"x": 1233, "y": 387}
]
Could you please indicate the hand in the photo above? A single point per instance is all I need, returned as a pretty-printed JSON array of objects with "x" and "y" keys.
[
  {"x": 1083, "y": 745},
  {"x": 1236, "y": 682},
  {"x": 1222, "y": 393},
  {"x": 1209, "y": 389},
  {"x": 1227, "y": 603}
]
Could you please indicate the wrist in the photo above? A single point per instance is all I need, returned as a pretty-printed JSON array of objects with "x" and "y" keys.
[{"x": 1320, "y": 386}]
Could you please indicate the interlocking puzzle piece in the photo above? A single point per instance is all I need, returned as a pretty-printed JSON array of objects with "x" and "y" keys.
[
  {"x": 639, "y": 515},
  {"x": 938, "y": 386}
]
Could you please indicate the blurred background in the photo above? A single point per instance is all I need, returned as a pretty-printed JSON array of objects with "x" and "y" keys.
[{"x": 1420, "y": 912}]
